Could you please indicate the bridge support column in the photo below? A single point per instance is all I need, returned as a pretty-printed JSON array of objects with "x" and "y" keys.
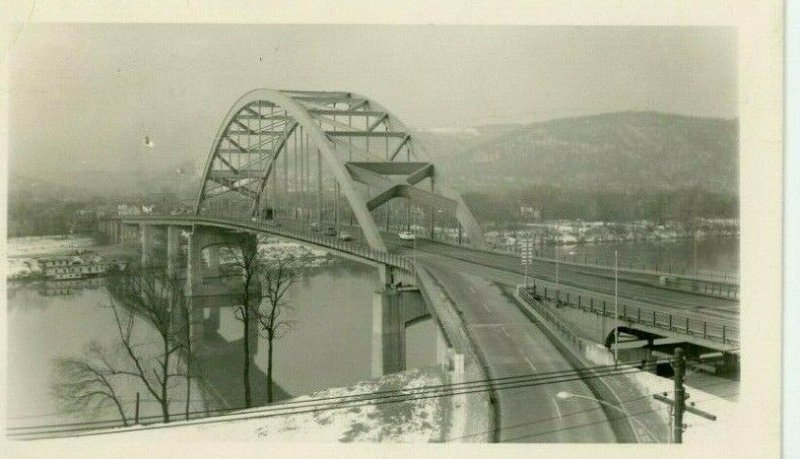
[
  {"x": 146, "y": 238},
  {"x": 212, "y": 323},
  {"x": 211, "y": 239},
  {"x": 194, "y": 263},
  {"x": 386, "y": 274},
  {"x": 442, "y": 349},
  {"x": 213, "y": 260},
  {"x": 173, "y": 252},
  {"x": 392, "y": 311},
  {"x": 196, "y": 324},
  {"x": 128, "y": 233}
]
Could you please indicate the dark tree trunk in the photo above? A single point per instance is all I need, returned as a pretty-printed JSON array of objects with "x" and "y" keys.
[
  {"x": 246, "y": 373},
  {"x": 165, "y": 384},
  {"x": 269, "y": 372}
]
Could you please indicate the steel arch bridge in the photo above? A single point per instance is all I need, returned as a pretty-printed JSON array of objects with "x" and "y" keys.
[{"x": 292, "y": 156}]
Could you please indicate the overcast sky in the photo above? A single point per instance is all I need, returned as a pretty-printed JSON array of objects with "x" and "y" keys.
[{"x": 91, "y": 92}]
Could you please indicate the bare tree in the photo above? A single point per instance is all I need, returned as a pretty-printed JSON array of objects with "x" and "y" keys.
[
  {"x": 87, "y": 382},
  {"x": 153, "y": 296},
  {"x": 278, "y": 276},
  {"x": 246, "y": 264},
  {"x": 267, "y": 311}
]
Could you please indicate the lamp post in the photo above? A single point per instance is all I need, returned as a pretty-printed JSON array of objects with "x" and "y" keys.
[
  {"x": 569, "y": 396},
  {"x": 415, "y": 251},
  {"x": 616, "y": 312},
  {"x": 558, "y": 300}
]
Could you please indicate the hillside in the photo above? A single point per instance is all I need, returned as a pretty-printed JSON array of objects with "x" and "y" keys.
[
  {"x": 626, "y": 153},
  {"x": 613, "y": 152}
]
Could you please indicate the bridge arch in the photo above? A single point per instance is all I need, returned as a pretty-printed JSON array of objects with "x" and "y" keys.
[{"x": 267, "y": 126}]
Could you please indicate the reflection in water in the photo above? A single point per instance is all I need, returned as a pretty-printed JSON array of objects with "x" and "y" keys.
[{"x": 329, "y": 346}]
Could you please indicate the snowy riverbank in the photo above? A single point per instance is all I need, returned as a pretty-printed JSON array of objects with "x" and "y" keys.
[{"x": 411, "y": 421}]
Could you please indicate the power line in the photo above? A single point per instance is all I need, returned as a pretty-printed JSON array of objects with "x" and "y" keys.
[
  {"x": 313, "y": 406},
  {"x": 652, "y": 410},
  {"x": 595, "y": 408},
  {"x": 369, "y": 394},
  {"x": 418, "y": 398}
]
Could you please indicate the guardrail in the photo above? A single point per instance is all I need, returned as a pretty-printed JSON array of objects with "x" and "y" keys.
[
  {"x": 674, "y": 323},
  {"x": 636, "y": 267}
]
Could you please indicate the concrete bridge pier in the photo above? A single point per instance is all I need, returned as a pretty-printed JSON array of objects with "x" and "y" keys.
[
  {"x": 386, "y": 274},
  {"x": 390, "y": 276},
  {"x": 210, "y": 239},
  {"x": 146, "y": 241},
  {"x": 115, "y": 231},
  {"x": 392, "y": 312},
  {"x": 197, "y": 326},
  {"x": 173, "y": 250},
  {"x": 129, "y": 232},
  {"x": 213, "y": 259}
]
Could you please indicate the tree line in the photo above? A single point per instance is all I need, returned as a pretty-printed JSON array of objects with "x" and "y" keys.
[{"x": 657, "y": 206}]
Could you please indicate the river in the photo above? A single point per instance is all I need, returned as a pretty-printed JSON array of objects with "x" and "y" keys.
[{"x": 329, "y": 344}]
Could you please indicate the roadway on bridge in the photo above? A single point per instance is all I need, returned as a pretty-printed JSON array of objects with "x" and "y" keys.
[
  {"x": 689, "y": 303},
  {"x": 511, "y": 345}
]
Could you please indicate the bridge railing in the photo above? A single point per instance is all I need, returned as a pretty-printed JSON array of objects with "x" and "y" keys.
[
  {"x": 721, "y": 289},
  {"x": 675, "y": 323},
  {"x": 636, "y": 266},
  {"x": 332, "y": 242}
]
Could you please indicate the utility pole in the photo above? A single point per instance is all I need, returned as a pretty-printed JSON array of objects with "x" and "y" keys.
[
  {"x": 680, "y": 394},
  {"x": 678, "y": 406},
  {"x": 557, "y": 286}
]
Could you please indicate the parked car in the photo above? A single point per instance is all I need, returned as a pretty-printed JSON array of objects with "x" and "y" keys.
[
  {"x": 315, "y": 227},
  {"x": 330, "y": 231},
  {"x": 406, "y": 236},
  {"x": 345, "y": 236}
]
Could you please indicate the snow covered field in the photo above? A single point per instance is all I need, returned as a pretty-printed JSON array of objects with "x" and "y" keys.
[{"x": 414, "y": 421}]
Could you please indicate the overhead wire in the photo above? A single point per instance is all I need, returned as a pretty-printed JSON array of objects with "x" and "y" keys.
[
  {"x": 618, "y": 417},
  {"x": 351, "y": 401},
  {"x": 594, "y": 408}
]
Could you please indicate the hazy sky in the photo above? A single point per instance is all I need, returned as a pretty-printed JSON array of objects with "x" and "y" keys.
[{"x": 91, "y": 92}]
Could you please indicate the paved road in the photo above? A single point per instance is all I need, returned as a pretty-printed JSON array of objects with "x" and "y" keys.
[
  {"x": 677, "y": 301},
  {"x": 511, "y": 345}
]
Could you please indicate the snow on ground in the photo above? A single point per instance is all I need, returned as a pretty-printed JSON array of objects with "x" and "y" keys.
[
  {"x": 41, "y": 245},
  {"x": 274, "y": 248},
  {"x": 424, "y": 420},
  {"x": 19, "y": 268}
]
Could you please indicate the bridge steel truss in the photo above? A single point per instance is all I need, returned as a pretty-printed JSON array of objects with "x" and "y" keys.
[{"x": 275, "y": 148}]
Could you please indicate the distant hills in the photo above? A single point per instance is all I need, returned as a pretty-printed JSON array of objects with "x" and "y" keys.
[
  {"x": 612, "y": 152},
  {"x": 615, "y": 152}
]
